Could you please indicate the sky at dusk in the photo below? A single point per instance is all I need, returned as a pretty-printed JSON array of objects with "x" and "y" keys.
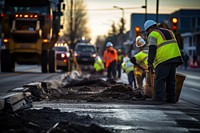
[{"x": 101, "y": 13}]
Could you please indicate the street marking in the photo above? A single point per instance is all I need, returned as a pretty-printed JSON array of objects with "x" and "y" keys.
[
  {"x": 194, "y": 89},
  {"x": 10, "y": 74}
]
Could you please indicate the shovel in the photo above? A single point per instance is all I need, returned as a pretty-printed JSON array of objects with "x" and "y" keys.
[{"x": 149, "y": 76}]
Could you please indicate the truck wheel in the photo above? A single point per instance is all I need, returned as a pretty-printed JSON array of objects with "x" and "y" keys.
[
  {"x": 4, "y": 62},
  {"x": 44, "y": 61},
  {"x": 7, "y": 61},
  {"x": 11, "y": 63},
  {"x": 52, "y": 64}
]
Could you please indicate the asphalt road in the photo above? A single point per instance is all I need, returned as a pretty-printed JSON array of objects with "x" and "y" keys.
[
  {"x": 24, "y": 74},
  {"x": 191, "y": 87}
]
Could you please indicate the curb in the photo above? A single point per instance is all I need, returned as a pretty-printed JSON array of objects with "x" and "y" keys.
[
  {"x": 21, "y": 97},
  {"x": 14, "y": 101}
]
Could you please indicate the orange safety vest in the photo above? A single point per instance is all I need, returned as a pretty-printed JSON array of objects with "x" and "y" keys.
[{"x": 110, "y": 57}]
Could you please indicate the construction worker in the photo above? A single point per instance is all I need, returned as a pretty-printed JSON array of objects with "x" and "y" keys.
[
  {"x": 164, "y": 55},
  {"x": 119, "y": 62},
  {"x": 98, "y": 65},
  {"x": 110, "y": 60},
  {"x": 127, "y": 66},
  {"x": 140, "y": 60}
]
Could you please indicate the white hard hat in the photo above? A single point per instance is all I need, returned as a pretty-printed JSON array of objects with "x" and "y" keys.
[
  {"x": 125, "y": 59},
  {"x": 97, "y": 58},
  {"x": 109, "y": 44},
  {"x": 148, "y": 24},
  {"x": 140, "y": 41}
]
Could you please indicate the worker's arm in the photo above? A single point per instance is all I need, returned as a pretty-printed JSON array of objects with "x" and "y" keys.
[
  {"x": 133, "y": 60},
  {"x": 152, "y": 51},
  {"x": 151, "y": 56}
]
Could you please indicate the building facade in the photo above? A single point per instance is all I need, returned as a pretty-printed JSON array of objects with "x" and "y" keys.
[
  {"x": 189, "y": 27},
  {"x": 138, "y": 20}
]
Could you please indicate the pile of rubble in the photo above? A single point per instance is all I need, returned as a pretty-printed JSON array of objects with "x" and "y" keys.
[
  {"x": 47, "y": 120},
  {"x": 87, "y": 89}
]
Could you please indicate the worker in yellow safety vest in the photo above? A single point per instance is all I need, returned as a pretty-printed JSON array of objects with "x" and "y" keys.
[
  {"x": 127, "y": 67},
  {"x": 164, "y": 56},
  {"x": 140, "y": 60},
  {"x": 98, "y": 65}
]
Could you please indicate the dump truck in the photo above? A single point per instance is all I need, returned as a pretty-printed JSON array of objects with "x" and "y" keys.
[{"x": 30, "y": 28}]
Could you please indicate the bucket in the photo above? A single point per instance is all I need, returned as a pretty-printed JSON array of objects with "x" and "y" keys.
[{"x": 179, "y": 83}]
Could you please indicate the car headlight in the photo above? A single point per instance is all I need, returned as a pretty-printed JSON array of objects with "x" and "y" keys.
[
  {"x": 94, "y": 55},
  {"x": 75, "y": 54},
  {"x": 63, "y": 55}
]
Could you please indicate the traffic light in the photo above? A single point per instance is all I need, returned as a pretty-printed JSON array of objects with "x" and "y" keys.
[
  {"x": 174, "y": 25},
  {"x": 1, "y": 16},
  {"x": 137, "y": 31}
]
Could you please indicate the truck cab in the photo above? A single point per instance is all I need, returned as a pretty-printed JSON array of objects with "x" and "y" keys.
[{"x": 29, "y": 30}]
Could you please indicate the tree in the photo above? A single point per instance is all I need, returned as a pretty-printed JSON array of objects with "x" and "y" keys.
[
  {"x": 76, "y": 21},
  {"x": 116, "y": 32},
  {"x": 122, "y": 26}
]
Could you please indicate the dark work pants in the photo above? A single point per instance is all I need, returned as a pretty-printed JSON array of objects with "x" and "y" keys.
[
  {"x": 131, "y": 79},
  {"x": 165, "y": 81},
  {"x": 112, "y": 70},
  {"x": 119, "y": 68}
]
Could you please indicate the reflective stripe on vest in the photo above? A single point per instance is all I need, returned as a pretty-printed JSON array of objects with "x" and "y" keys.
[
  {"x": 167, "y": 42},
  {"x": 128, "y": 69}
]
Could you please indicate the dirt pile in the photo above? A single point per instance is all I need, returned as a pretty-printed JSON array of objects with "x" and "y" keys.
[
  {"x": 97, "y": 90},
  {"x": 50, "y": 120},
  {"x": 47, "y": 120}
]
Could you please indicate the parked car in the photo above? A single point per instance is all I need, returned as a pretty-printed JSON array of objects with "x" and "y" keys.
[
  {"x": 85, "y": 53},
  {"x": 62, "y": 57}
]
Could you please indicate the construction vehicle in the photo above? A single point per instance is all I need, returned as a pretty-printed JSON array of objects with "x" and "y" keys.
[{"x": 29, "y": 31}]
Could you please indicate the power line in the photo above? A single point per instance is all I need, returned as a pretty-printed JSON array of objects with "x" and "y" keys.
[{"x": 111, "y": 9}]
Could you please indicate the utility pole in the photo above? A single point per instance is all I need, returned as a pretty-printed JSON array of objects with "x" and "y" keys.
[
  {"x": 71, "y": 25},
  {"x": 122, "y": 19},
  {"x": 157, "y": 6},
  {"x": 145, "y": 10}
]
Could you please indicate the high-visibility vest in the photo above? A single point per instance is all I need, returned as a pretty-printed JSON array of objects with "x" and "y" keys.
[
  {"x": 141, "y": 58},
  {"x": 98, "y": 65},
  {"x": 110, "y": 57},
  {"x": 120, "y": 57},
  {"x": 127, "y": 66},
  {"x": 167, "y": 46}
]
